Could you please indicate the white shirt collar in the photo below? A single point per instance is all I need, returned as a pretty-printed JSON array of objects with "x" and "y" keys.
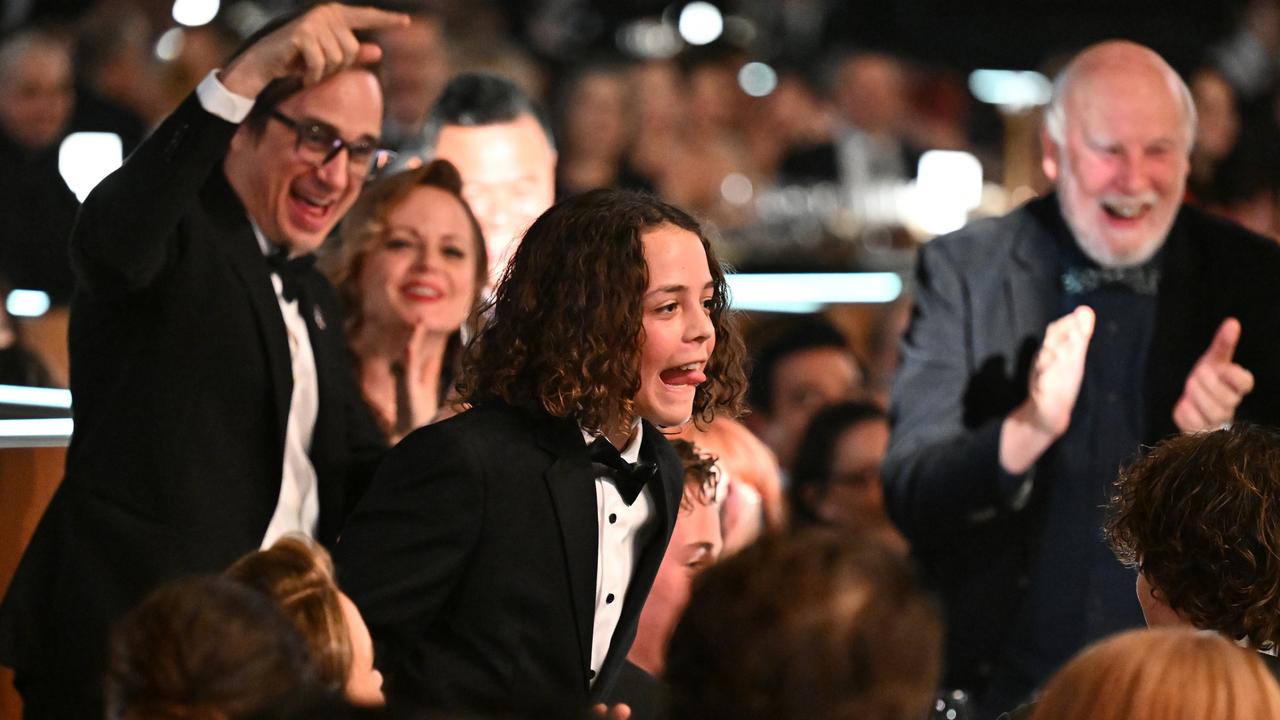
[{"x": 631, "y": 452}]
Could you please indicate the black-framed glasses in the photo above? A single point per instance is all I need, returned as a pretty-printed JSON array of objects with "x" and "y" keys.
[{"x": 318, "y": 143}]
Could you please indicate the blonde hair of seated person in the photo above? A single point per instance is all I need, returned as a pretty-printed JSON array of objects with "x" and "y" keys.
[{"x": 1162, "y": 674}]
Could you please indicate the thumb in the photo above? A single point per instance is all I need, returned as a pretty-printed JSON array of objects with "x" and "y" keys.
[
  {"x": 368, "y": 54},
  {"x": 1224, "y": 342}
]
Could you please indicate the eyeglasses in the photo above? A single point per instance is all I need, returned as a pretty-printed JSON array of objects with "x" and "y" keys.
[{"x": 318, "y": 143}]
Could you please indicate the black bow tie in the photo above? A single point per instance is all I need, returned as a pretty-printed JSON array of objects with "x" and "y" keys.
[
  {"x": 1144, "y": 280},
  {"x": 628, "y": 477},
  {"x": 290, "y": 270}
]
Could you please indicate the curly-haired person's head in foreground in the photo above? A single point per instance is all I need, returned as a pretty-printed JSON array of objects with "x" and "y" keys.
[
  {"x": 1199, "y": 517},
  {"x": 820, "y": 625}
]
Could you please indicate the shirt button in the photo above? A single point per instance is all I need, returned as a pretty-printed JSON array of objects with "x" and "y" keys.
[
  {"x": 613, "y": 518},
  {"x": 591, "y": 674},
  {"x": 608, "y": 599}
]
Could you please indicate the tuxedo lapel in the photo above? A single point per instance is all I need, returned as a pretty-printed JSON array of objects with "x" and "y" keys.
[
  {"x": 230, "y": 225},
  {"x": 569, "y": 481},
  {"x": 666, "y": 490}
]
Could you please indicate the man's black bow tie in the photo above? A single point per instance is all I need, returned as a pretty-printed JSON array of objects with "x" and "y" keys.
[
  {"x": 290, "y": 270},
  {"x": 1144, "y": 280},
  {"x": 628, "y": 477}
]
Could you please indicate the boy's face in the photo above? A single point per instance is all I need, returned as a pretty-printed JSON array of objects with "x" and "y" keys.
[{"x": 678, "y": 335}]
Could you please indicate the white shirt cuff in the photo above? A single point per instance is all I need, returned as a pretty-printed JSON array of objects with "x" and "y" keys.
[{"x": 216, "y": 99}]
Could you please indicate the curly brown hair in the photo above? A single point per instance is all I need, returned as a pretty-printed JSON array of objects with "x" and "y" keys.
[
  {"x": 297, "y": 574},
  {"x": 566, "y": 332},
  {"x": 366, "y": 225},
  {"x": 1200, "y": 517},
  {"x": 701, "y": 476}
]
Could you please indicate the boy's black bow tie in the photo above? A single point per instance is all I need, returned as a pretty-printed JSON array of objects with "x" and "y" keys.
[{"x": 630, "y": 478}]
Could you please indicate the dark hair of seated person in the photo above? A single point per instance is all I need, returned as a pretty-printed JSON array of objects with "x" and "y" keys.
[
  {"x": 203, "y": 648},
  {"x": 821, "y": 624}
]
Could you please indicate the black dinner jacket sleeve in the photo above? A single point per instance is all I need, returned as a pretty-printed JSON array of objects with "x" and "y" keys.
[{"x": 126, "y": 233}]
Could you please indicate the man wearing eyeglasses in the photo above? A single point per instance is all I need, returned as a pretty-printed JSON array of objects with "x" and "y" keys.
[{"x": 214, "y": 409}]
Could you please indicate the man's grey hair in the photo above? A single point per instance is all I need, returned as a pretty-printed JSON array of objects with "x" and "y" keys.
[{"x": 1055, "y": 116}]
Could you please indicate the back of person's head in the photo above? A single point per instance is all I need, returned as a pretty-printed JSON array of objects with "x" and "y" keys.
[
  {"x": 1161, "y": 674},
  {"x": 566, "y": 329},
  {"x": 298, "y": 575},
  {"x": 820, "y": 625},
  {"x": 204, "y": 647},
  {"x": 477, "y": 99},
  {"x": 1199, "y": 516}
]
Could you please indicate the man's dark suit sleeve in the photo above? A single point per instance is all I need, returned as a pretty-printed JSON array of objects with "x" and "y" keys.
[
  {"x": 942, "y": 471},
  {"x": 124, "y": 235}
]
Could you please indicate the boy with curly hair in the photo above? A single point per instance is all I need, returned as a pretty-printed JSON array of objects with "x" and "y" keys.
[{"x": 501, "y": 557}]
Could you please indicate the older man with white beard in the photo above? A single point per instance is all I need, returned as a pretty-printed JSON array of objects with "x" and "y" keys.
[{"x": 1046, "y": 348}]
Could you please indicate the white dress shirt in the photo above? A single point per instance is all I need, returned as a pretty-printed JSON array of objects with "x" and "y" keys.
[
  {"x": 623, "y": 532},
  {"x": 298, "y": 505}
]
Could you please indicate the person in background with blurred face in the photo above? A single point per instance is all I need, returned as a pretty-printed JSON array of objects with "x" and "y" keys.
[
  {"x": 836, "y": 481},
  {"x": 36, "y": 90},
  {"x": 501, "y": 143},
  {"x": 410, "y": 271},
  {"x": 215, "y": 409},
  {"x": 803, "y": 365},
  {"x": 415, "y": 68},
  {"x": 1047, "y": 348},
  {"x": 37, "y": 208}
]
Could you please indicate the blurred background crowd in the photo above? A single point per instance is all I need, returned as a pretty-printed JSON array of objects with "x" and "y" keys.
[{"x": 797, "y": 128}]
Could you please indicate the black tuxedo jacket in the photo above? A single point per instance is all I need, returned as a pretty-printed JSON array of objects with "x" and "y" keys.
[
  {"x": 181, "y": 380},
  {"x": 983, "y": 297},
  {"x": 473, "y": 559}
]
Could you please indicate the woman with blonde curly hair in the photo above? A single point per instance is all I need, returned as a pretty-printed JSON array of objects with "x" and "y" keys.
[
  {"x": 502, "y": 556},
  {"x": 410, "y": 270},
  {"x": 297, "y": 574},
  {"x": 1161, "y": 674}
]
